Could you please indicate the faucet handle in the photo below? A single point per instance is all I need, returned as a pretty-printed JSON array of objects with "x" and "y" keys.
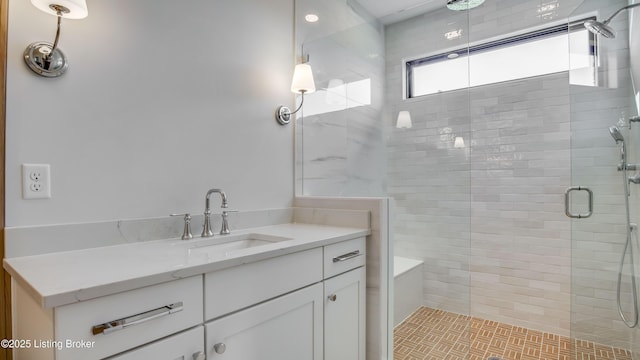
[
  {"x": 186, "y": 233},
  {"x": 224, "y": 230}
]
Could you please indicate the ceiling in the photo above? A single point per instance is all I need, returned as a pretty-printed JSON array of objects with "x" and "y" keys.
[{"x": 390, "y": 11}]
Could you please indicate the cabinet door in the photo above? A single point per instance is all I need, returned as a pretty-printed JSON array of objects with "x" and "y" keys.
[
  {"x": 344, "y": 316},
  {"x": 285, "y": 328},
  {"x": 187, "y": 345}
]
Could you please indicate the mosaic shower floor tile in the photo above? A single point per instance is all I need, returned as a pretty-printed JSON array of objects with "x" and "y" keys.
[{"x": 430, "y": 334}]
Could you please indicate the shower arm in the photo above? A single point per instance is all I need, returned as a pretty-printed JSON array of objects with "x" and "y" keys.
[{"x": 606, "y": 22}]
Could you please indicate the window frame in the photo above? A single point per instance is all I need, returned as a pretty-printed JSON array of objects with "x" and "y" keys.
[{"x": 550, "y": 31}]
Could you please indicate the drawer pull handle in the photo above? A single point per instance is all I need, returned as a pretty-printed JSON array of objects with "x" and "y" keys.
[
  {"x": 332, "y": 297},
  {"x": 347, "y": 256},
  {"x": 123, "y": 323}
]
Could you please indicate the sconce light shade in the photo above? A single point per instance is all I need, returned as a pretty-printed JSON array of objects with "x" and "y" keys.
[
  {"x": 404, "y": 120},
  {"x": 458, "y": 143},
  {"x": 46, "y": 59},
  {"x": 77, "y": 9},
  {"x": 303, "y": 80},
  {"x": 302, "y": 84}
]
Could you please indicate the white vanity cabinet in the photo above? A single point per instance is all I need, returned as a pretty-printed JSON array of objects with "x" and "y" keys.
[
  {"x": 324, "y": 320},
  {"x": 286, "y": 328},
  {"x": 291, "y": 305}
]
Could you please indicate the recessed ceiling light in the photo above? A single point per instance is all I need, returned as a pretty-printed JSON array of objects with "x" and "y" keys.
[{"x": 311, "y": 18}]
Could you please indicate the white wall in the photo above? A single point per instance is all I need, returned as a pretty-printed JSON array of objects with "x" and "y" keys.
[{"x": 163, "y": 100}]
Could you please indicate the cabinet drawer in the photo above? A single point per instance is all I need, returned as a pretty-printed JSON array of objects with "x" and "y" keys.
[
  {"x": 344, "y": 256},
  {"x": 183, "y": 346},
  {"x": 238, "y": 287},
  {"x": 148, "y": 314}
]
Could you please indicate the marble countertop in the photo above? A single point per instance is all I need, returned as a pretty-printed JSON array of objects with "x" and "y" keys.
[{"x": 63, "y": 278}]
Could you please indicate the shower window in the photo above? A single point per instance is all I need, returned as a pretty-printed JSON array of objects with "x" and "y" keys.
[{"x": 531, "y": 54}]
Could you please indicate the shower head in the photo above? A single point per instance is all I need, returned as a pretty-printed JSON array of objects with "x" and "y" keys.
[
  {"x": 603, "y": 28},
  {"x": 460, "y": 5},
  {"x": 616, "y": 134},
  {"x": 599, "y": 28}
]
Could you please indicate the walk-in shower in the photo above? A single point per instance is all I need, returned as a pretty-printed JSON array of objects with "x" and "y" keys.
[{"x": 486, "y": 220}]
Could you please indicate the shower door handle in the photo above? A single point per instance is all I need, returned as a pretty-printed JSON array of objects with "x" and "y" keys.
[{"x": 567, "y": 202}]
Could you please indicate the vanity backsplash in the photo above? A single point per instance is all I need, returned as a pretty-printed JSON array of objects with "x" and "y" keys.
[{"x": 26, "y": 241}]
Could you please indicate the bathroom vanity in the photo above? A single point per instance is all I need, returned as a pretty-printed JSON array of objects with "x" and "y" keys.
[{"x": 289, "y": 291}]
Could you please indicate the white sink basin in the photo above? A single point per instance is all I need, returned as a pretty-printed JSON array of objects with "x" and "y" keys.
[{"x": 226, "y": 245}]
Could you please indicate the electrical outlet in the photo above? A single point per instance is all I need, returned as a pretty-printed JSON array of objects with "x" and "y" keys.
[
  {"x": 36, "y": 181},
  {"x": 35, "y": 175}
]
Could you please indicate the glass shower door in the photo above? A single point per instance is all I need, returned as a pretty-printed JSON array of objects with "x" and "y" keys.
[{"x": 604, "y": 250}]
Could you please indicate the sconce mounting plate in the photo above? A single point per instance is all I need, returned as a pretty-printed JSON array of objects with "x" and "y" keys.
[
  {"x": 283, "y": 115},
  {"x": 43, "y": 62}
]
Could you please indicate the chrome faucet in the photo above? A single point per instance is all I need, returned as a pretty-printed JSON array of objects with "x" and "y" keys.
[{"x": 206, "y": 228}]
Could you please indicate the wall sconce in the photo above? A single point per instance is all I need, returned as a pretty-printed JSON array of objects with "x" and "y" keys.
[
  {"x": 44, "y": 58},
  {"x": 458, "y": 143},
  {"x": 404, "y": 120},
  {"x": 302, "y": 83}
]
